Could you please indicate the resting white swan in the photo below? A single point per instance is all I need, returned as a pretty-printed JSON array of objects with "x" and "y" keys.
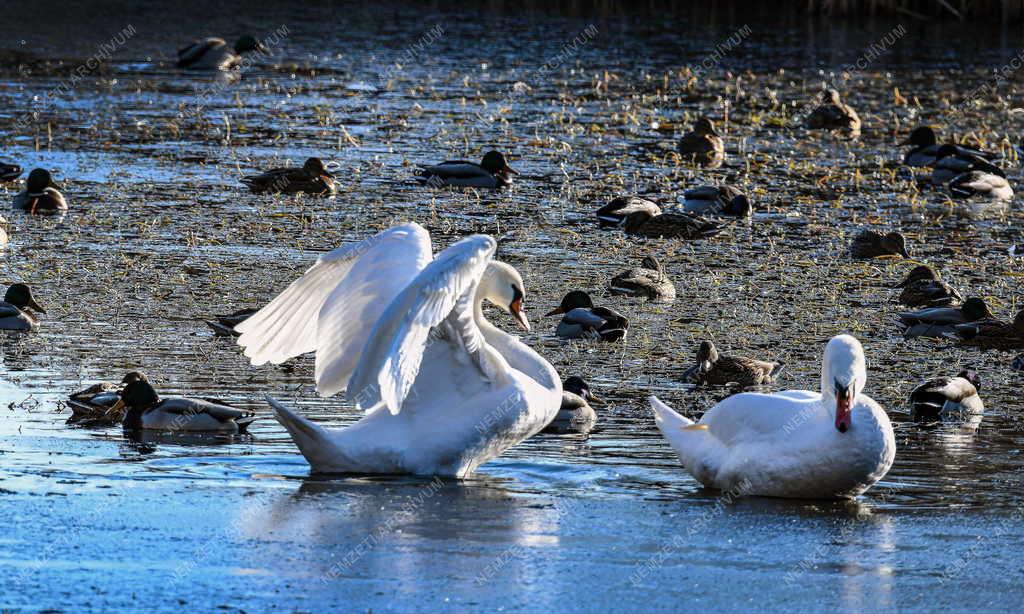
[
  {"x": 795, "y": 443},
  {"x": 404, "y": 334}
]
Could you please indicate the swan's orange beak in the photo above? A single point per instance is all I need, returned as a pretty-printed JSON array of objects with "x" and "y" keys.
[
  {"x": 844, "y": 407},
  {"x": 516, "y": 309}
]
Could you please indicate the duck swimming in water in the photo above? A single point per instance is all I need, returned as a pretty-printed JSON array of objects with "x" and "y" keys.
[
  {"x": 492, "y": 172},
  {"x": 214, "y": 53},
  {"x": 145, "y": 410},
  {"x": 14, "y": 310},
  {"x": 869, "y": 244},
  {"x": 979, "y": 179},
  {"x": 670, "y": 225},
  {"x": 942, "y": 321},
  {"x": 91, "y": 407},
  {"x": 582, "y": 320},
  {"x": 575, "y": 414},
  {"x": 703, "y": 145},
  {"x": 833, "y": 114},
  {"x": 944, "y": 397},
  {"x": 312, "y": 178},
  {"x": 926, "y": 147},
  {"x": 647, "y": 280},
  {"x": 923, "y": 288},
  {"x": 9, "y": 172},
  {"x": 992, "y": 333},
  {"x": 40, "y": 194},
  {"x": 717, "y": 200},
  {"x": 620, "y": 208},
  {"x": 715, "y": 369}
]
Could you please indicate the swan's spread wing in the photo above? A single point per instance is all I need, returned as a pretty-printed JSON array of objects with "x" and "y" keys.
[
  {"x": 391, "y": 359},
  {"x": 319, "y": 312}
]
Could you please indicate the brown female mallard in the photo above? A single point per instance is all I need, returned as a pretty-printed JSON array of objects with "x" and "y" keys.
[
  {"x": 670, "y": 225},
  {"x": 714, "y": 369},
  {"x": 992, "y": 333},
  {"x": 703, "y": 145},
  {"x": 833, "y": 114},
  {"x": 924, "y": 288},
  {"x": 870, "y": 244},
  {"x": 647, "y": 280},
  {"x": 312, "y": 178}
]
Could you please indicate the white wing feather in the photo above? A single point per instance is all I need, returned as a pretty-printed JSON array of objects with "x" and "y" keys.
[
  {"x": 319, "y": 312},
  {"x": 391, "y": 359}
]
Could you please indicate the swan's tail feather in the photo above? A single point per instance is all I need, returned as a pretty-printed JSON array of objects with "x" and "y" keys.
[
  {"x": 666, "y": 417},
  {"x": 313, "y": 440},
  {"x": 696, "y": 446}
]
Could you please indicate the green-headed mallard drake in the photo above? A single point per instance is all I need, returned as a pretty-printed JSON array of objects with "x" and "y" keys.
[
  {"x": 647, "y": 280},
  {"x": 581, "y": 320},
  {"x": 312, "y": 178},
  {"x": 949, "y": 163},
  {"x": 926, "y": 147},
  {"x": 214, "y": 53},
  {"x": 92, "y": 406},
  {"x": 9, "y": 172},
  {"x": 992, "y": 333},
  {"x": 670, "y": 225},
  {"x": 224, "y": 326},
  {"x": 492, "y": 172},
  {"x": 714, "y": 369},
  {"x": 942, "y": 321},
  {"x": 833, "y": 114},
  {"x": 40, "y": 194},
  {"x": 924, "y": 288},
  {"x": 145, "y": 410},
  {"x": 868, "y": 244},
  {"x": 620, "y": 207},
  {"x": 703, "y": 145},
  {"x": 715, "y": 200},
  {"x": 575, "y": 414},
  {"x": 14, "y": 310},
  {"x": 947, "y": 397}
]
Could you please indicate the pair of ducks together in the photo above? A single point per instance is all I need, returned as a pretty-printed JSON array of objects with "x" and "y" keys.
[
  {"x": 313, "y": 177},
  {"x": 643, "y": 217},
  {"x": 135, "y": 404},
  {"x": 945, "y": 313},
  {"x": 967, "y": 172}
]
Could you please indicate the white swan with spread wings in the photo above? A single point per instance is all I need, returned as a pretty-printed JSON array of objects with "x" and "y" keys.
[{"x": 403, "y": 333}]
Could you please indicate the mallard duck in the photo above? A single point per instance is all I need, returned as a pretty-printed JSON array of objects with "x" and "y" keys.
[
  {"x": 926, "y": 147},
  {"x": 924, "y": 288},
  {"x": 703, "y": 145},
  {"x": 616, "y": 211},
  {"x": 40, "y": 194},
  {"x": 9, "y": 172},
  {"x": 647, "y": 280},
  {"x": 670, "y": 225},
  {"x": 581, "y": 320},
  {"x": 145, "y": 410},
  {"x": 1018, "y": 363},
  {"x": 941, "y": 321},
  {"x": 575, "y": 414},
  {"x": 992, "y": 334},
  {"x": 492, "y": 172},
  {"x": 224, "y": 326},
  {"x": 312, "y": 178},
  {"x": 91, "y": 407},
  {"x": 833, "y": 114},
  {"x": 944, "y": 397},
  {"x": 14, "y": 310},
  {"x": 214, "y": 53},
  {"x": 978, "y": 179},
  {"x": 870, "y": 244},
  {"x": 713, "y": 200},
  {"x": 717, "y": 370}
]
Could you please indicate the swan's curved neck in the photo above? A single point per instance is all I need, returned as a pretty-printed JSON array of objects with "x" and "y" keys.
[{"x": 517, "y": 354}]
